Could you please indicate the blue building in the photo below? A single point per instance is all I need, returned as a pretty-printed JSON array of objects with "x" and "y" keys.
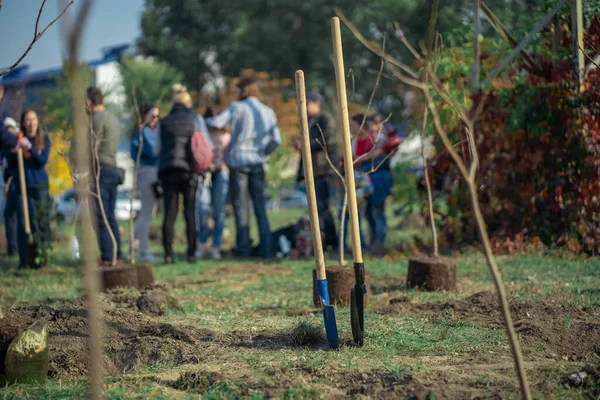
[{"x": 22, "y": 88}]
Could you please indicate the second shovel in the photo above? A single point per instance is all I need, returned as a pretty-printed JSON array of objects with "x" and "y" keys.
[{"x": 323, "y": 290}]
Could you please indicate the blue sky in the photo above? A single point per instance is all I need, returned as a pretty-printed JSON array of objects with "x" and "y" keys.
[{"x": 111, "y": 22}]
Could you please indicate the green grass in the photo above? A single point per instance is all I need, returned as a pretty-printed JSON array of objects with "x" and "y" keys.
[{"x": 274, "y": 299}]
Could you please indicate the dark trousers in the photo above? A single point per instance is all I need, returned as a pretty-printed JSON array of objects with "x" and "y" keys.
[
  {"x": 38, "y": 203},
  {"x": 244, "y": 181},
  {"x": 175, "y": 182},
  {"x": 10, "y": 219},
  {"x": 323, "y": 194},
  {"x": 109, "y": 180},
  {"x": 375, "y": 213}
]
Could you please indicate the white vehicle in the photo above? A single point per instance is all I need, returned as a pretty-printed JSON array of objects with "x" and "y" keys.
[
  {"x": 66, "y": 206},
  {"x": 123, "y": 207}
]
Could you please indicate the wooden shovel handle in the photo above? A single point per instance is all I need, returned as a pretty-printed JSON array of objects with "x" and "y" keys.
[
  {"x": 23, "y": 186},
  {"x": 340, "y": 79},
  {"x": 308, "y": 176}
]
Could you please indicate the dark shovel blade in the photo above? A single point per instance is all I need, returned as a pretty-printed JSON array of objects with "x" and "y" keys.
[
  {"x": 331, "y": 327},
  {"x": 357, "y": 316}
]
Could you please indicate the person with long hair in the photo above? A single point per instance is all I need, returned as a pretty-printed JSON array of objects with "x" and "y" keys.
[
  {"x": 35, "y": 143},
  {"x": 146, "y": 136},
  {"x": 176, "y": 169},
  {"x": 254, "y": 135}
]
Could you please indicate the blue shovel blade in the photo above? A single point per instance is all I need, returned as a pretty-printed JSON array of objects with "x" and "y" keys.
[
  {"x": 328, "y": 314},
  {"x": 330, "y": 327}
]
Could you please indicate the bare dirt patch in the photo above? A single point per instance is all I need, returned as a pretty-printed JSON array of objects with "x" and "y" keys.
[
  {"x": 133, "y": 339},
  {"x": 546, "y": 327}
]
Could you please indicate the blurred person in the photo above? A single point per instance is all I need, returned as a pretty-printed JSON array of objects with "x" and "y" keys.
[
  {"x": 147, "y": 175},
  {"x": 320, "y": 128},
  {"x": 35, "y": 143},
  {"x": 10, "y": 198},
  {"x": 212, "y": 192},
  {"x": 362, "y": 144},
  {"x": 105, "y": 128},
  {"x": 254, "y": 135},
  {"x": 377, "y": 164},
  {"x": 176, "y": 169}
]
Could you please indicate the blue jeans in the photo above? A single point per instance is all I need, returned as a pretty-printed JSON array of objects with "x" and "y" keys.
[
  {"x": 346, "y": 219},
  {"x": 216, "y": 195},
  {"x": 38, "y": 203},
  {"x": 109, "y": 180},
  {"x": 241, "y": 182},
  {"x": 375, "y": 213},
  {"x": 11, "y": 206}
]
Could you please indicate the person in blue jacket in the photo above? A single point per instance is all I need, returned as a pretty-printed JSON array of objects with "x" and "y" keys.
[
  {"x": 35, "y": 144},
  {"x": 147, "y": 130}
]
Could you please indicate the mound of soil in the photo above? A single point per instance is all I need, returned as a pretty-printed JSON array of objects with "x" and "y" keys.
[
  {"x": 543, "y": 325},
  {"x": 133, "y": 338}
]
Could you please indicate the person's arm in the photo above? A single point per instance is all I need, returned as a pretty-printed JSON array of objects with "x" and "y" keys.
[
  {"x": 221, "y": 120},
  {"x": 41, "y": 158}
]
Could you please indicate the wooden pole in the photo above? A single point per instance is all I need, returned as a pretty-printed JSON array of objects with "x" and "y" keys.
[
  {"x": 309, "y": 179},
  {"x": 340, "y": 77}
]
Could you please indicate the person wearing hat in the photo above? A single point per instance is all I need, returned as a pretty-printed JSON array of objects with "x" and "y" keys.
[
  {"x": 320, "y": 129},
  {"x": 254, "y": 135}
]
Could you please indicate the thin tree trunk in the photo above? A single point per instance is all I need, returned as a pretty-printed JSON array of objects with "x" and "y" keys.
[
  {"x": 91, "y": 278},
  {"x": 504, "y": 305},
  {"x": 429, "y": 195},
  {"x": 133, "y": 189},
  {"x": 342, "y": 222}
]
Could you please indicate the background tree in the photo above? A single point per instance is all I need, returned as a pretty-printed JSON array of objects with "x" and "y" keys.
[
  {"x": 213, "y": 39},
  {"x": 149, "y": 80}
]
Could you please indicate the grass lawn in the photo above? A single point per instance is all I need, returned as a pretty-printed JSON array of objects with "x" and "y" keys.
[{"x": 249, "y": 330}]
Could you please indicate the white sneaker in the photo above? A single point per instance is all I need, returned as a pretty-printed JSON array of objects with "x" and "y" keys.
[
  {"x": 215, "y": 254},
  {"x": 200, "y": 251}
]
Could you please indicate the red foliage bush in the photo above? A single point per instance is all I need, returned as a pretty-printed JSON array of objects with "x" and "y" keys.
[{"x": 539, "y": 149}]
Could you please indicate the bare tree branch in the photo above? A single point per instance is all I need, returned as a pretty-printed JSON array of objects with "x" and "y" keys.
[
  {"x": 362, "y": 124},
  {"x": 374, "y": 46},
  {"x": 37, "y": 35}
]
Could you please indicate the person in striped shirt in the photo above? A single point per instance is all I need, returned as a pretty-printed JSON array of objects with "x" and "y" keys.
[{"x": 254, "y": 135}]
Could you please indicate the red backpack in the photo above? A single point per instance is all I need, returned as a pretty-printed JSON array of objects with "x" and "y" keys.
[{"x": 201, "y": 152}]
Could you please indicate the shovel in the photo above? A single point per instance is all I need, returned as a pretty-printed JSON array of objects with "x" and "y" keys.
[
  {"x": 357, "y": 295},
  {"x": 323, "y": 290},
  {"x": 32, "y": 251}
]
